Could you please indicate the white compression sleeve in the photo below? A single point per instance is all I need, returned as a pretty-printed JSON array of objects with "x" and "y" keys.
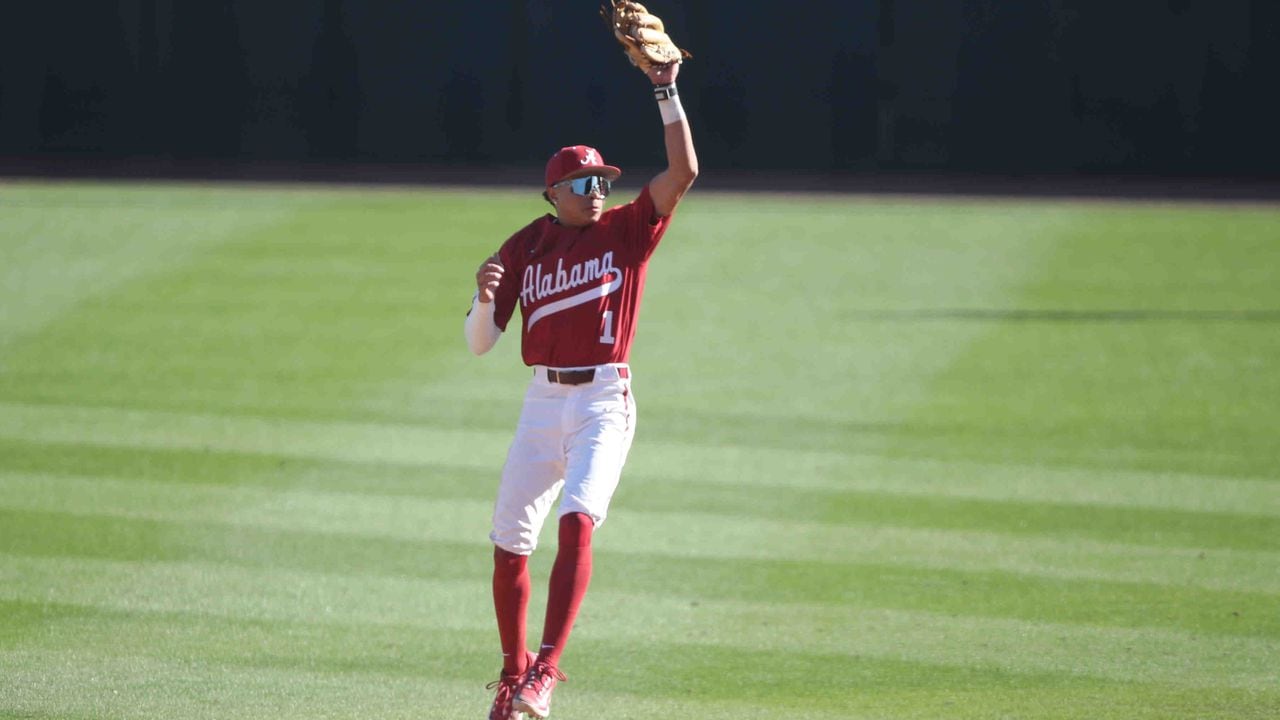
[{"x": 482, "y": 334}]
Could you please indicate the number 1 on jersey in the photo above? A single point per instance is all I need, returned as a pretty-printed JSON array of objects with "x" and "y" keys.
[{"x": 607, "y": 336}]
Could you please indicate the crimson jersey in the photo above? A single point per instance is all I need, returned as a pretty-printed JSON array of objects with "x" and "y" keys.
[{"x": 579, "y": 289}]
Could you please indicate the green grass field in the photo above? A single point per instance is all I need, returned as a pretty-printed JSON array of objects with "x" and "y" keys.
[{"x": 896, "y": 459}]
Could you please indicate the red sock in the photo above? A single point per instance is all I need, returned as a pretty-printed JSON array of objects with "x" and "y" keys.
[
  {"x": 569, "y": 579},
  {"x": 510, "y": 598}
]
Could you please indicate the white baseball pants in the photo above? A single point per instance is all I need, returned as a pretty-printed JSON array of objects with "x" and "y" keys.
[{"x": 570, "y": 437}]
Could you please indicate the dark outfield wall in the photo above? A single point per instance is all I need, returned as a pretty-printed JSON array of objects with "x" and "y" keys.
[{"x": 1152, "y": 86}]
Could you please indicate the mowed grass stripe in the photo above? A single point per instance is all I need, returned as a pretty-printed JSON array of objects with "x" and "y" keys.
[
  {"x": 873, "y": 486},
  {"x": 1133, "y": 525},
  {"x": 604, "y": 671},
  {"x": 663, "y": 463},
  {"x": 780, "y": 470},
  {"x": 401, "y": 650},
  {"x": 666, "y": 467},
  {"x": 99, "y": 685},
  {"x": 65, "y": 244},
  {"x": 700, "y": 535},
  {"x": 867, "y": 584},
  {"x": 1141, "y": 655},
  {"x": 62, "y": 686},
  {"x": 335, "y": 440},
  {"x": 260, "y": 471},
  {"x": 1174, "y": 528}
]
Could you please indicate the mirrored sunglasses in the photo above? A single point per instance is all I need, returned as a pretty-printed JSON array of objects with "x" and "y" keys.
[{"x": 586, "y": 185}]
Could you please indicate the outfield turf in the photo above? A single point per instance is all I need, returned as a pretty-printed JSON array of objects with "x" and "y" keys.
[{"x": 896, "y": 459}]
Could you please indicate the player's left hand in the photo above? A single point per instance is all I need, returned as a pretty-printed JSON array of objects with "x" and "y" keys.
[{"x": 663, "y": 74}]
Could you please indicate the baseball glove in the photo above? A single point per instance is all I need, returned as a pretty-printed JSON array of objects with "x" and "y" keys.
[{"x": 641, "y": 35}]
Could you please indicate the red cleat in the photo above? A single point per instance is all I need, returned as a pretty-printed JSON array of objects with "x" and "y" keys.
[
  {"x": 534, "y": 696},
  {"x": 507, "y": 687}
]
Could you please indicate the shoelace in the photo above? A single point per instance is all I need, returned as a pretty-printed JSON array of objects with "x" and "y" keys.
[
  {"x": 506, "y": 687},
  {"x": 542, "y": 675},
  {"x": 509, "y": 682}
]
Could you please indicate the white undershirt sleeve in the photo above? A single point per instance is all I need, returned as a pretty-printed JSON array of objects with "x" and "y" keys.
[{"x": 482, "y": 334}]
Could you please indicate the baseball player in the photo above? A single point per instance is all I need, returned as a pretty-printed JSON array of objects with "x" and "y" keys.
[{"x": 577, "y": 277}]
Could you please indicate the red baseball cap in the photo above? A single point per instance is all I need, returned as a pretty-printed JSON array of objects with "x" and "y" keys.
[{"x": 578, "y": 161}]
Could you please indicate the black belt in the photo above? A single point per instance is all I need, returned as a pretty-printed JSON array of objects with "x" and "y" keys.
[{"x": 571, "y": 377}]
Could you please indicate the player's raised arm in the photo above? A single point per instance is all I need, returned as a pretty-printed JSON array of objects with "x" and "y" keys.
[
  {"x": 668, "y": 186},
  {"x": 648, "y": 47}
]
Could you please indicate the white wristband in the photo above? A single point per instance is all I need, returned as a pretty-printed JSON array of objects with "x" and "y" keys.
[{"x": 669, "y": 103}]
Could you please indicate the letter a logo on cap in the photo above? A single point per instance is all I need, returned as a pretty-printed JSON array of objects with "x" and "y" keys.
[{"x": 575, "y": 161}]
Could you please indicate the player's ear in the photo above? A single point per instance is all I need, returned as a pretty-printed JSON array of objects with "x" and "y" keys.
[{"x": 547, "y": 196}]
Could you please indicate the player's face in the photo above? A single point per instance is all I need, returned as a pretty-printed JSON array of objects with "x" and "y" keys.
[{"x": 580, "y": 201}]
